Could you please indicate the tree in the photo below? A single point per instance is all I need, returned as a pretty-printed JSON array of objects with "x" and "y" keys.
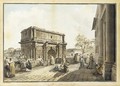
[{"x": 83, "y": 43}]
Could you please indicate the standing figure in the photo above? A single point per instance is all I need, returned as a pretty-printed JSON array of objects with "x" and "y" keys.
[
  {"x": 6, "y": 68},
  {"x": 91, "y": 62},
  {"x": 22, "y": 64},
  {"x": 40, "y": 59},
  {"x": 12, "y": 67},
  {"x": 76, "y": 58},
  {"x": 47, "y": 62},
  {"x": 81, "y": 62},
  {"x": 63, "y": 61},
  {"x": 87, "y": 58},
  {"x": 52, "y": 60},
  {"x": 65, "y": 66}
]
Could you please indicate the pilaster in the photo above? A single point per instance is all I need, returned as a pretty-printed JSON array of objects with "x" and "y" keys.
[{"x": 110, "y": 42}]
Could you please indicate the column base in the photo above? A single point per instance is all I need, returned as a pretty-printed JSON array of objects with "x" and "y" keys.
[
  {"x": 114, "y": 72},
  {"x": 107, "y": 71}
]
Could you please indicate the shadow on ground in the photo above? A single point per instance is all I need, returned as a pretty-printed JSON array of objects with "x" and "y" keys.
[{"x": 81, "y": 75}]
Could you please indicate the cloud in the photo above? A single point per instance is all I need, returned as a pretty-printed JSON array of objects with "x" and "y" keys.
[
  {"x": 67, "y": 19},
  {"x": 17, "y": 20}
]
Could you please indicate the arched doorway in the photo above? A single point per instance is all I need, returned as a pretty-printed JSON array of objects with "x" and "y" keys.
[{"x": 51, "y": 52}]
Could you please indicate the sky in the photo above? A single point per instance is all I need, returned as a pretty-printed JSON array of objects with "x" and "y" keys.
[{"x": 70, "y": 19}]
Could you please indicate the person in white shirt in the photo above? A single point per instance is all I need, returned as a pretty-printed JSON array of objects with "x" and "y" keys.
[
  {"x": 81, "y": 62},
  {"x": 52, "y": 60},
  {"x": 12, "y": 67},
  {"x": 40, "y": 59}
]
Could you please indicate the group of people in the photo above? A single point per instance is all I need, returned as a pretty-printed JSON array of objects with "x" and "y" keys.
[
  {"x": 50, "y": 61},
  {"x": 24, "y": 63},
  {"x": 40, "y": 61},
  {"x": 85, "y": 61},
  {"x": 10, "y": 66},
  {"x": 88, "y": 62},
  {"x": 27, "y": 65},
  {"x": 62, "y": 67}
]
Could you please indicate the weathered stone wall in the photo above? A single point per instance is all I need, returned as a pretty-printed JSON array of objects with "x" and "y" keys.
[
  {"x": 39, "y": 51},
  {"x": 105, "y": 38},
  {"x": 36, "y": 42},
  {"x": 50, "y": 37},
  {"x": 26, "y": 34}
]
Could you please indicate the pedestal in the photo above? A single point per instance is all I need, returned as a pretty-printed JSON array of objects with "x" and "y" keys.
[
  {"x": 100, "y": 60},
  {"x": 107, "y": 71}
]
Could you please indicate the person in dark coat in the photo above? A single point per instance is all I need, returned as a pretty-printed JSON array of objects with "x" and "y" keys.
[
  {"x": 6, "y": 68},
  {"x": 28, "y": 65},
  {"x": 65, "y": 66},
  {"x": 91, "y": 64}
]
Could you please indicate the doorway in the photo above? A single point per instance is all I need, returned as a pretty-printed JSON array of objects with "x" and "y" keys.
[{"x": 51, "y": 52}]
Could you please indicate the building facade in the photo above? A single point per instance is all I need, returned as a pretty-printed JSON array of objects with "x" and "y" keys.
[
  {"x": 36, "y": 42},
  {"x": 104, "y": 25}
]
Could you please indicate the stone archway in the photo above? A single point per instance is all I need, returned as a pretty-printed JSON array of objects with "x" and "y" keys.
[{"x": 51, "y": 52}]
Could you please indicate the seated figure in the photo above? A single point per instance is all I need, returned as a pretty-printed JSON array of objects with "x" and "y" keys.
[{"x": 98, "y": 70}]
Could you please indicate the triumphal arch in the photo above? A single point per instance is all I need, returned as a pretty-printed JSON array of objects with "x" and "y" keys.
[{"x": 36, "y": 42}]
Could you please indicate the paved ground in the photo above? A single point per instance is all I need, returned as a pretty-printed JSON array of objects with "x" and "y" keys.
[{"x": 44, "y": 74}]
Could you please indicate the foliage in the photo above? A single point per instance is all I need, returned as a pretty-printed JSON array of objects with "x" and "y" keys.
[{"x": 83, "y": 43}]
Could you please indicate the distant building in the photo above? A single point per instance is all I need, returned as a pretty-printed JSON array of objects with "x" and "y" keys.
[
  {"x": 105, "y": 39},
  {"x": 72, "y": 51},
  {"x": 9, "y": 52},
  {"x": 11, "y": 49},
  {"x": 12, "y": 53},
  {"x": 17, "y": 52},
  {"x": 36, "y": 42}
]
